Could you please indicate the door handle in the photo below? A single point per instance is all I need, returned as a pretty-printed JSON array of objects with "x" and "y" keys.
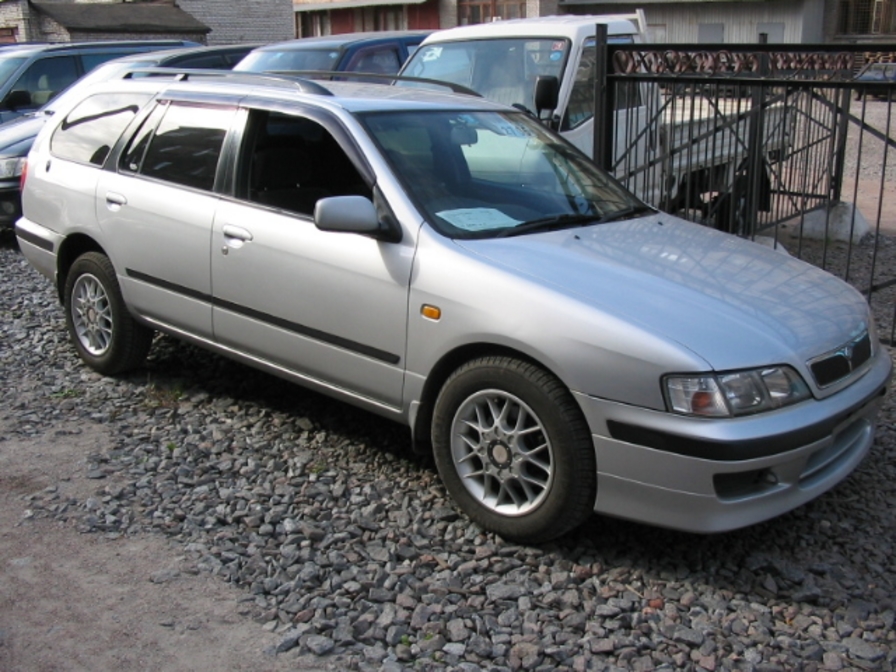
[
  {"x": 235, "y": 237},
  {"x": 237, "y": 232},
  {"x": 113, "y": 198}
]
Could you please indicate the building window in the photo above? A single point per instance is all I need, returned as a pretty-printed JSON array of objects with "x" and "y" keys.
[
  {"x": 710, "y": 33},
  {"x": 310, "y": 24},
  {"x": 8, "y": 35},
  {"x": 483, "y": 11},
  {"x": 867, "y": 17}
]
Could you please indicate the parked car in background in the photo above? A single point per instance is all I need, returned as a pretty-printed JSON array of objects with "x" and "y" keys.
[
  {"x": 30, "y": 75},
  {"x": 452, "y": 264},
  {"x": 378, "y": 52},
  {"x": 17, "y": 135},
  {"x": 883, "y": 73}
]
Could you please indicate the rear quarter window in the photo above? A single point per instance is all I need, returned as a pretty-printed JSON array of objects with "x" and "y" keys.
[{"x": 91, "y": 129}]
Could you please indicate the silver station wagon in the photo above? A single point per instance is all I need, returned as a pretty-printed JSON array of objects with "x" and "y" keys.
[{"x": 560, "y": 347}]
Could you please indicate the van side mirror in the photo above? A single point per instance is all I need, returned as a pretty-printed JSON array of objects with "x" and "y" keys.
[
  {"x": 547, "y": 93},
  {"x": 17, "y": 99}
]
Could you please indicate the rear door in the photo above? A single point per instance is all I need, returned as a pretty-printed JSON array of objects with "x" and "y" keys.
[{"x": 156, "y": 211}]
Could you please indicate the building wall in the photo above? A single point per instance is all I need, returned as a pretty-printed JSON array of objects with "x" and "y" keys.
[
  {"x": 17, "y": 15},
  {"x": 76, "y": 36},
  {"x": 236, "y": 21},
  {"x": 797, "y": 20},
  {"x": 832, "y": 27}
]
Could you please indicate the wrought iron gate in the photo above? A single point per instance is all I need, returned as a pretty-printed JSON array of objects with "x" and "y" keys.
[{"x": 774, "y": 141}]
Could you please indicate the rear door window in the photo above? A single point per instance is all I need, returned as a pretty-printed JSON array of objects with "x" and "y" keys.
[
  {"x": 180, "y": 143},
  {"x": 92, "y": 128}
]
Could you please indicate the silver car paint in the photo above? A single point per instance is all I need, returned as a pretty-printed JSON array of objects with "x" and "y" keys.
[
  {"x": 609, "y": 309},
  {"x": 156, "y": 229},
  {"x": 345, "y": 286}
]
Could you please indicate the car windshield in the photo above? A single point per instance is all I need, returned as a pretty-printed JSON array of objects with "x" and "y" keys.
[
  {"x": 493, "y": 174},
  {"x": 500, "y": 70},
  {"x": 8, "y": 65},
  {"x": 290, "y": 59}
]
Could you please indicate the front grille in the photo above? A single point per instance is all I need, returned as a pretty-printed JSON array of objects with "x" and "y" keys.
[{"x": 837, "y": 365}]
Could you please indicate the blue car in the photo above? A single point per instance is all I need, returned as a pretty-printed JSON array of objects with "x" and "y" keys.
[{"x": 378, "y": 52}]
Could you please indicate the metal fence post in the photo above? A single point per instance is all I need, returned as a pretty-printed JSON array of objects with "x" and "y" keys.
[
  {"x": 755, "y": 160},
  {"x": 603, "y": 101}
]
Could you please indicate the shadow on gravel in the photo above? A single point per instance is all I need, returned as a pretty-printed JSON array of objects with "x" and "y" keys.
[
  {"x": 8, "y": 240},
  {"x": 808, "y": 555}
]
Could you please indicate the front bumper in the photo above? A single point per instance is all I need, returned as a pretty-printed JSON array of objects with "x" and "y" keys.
[{"x": 764, "y": 465}]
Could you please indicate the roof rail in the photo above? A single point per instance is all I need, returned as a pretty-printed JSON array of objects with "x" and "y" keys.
[
  {"x": 332, "y": 75},
  {"x": 185, "y": 74}
]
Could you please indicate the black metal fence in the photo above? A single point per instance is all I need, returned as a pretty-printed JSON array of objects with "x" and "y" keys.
[{"x": 778, "y": 143}]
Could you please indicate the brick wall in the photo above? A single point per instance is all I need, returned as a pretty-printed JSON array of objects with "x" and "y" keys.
[
  {"x": 76, "y": 36},
  {"x": 235, "y": 21}
]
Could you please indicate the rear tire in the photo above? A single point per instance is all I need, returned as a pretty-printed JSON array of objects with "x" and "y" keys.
[
  {"x": 105, "y": 335},
  {"x": 513, "y": 450}
]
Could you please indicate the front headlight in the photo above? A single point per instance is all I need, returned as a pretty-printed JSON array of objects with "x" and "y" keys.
[
  {"x": 735, "y": 393},
  {"x": 11, "y": 167}
]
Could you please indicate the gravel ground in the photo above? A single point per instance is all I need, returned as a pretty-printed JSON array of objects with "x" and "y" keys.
[{"x": 347, "y": 547}]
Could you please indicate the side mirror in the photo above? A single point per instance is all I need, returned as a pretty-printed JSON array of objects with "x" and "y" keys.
[
  {"x": 547, "y": 93},
  {"x": 351, "y": 214},
  {"x": 17, "y": 99}
]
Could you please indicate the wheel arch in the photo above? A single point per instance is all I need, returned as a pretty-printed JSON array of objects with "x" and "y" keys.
[
  {"x": 450, "y": 362},
  {"x": 72, "y": 248}
]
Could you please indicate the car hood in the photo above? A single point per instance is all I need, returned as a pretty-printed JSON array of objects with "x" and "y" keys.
[
  {"x": 730, "y": 301},
  {"x": 17, "y": 135}
]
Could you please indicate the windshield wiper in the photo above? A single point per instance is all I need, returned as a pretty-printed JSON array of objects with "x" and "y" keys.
[
  {"x": 626, "y": 213},
  {"x": 548, "y": 224}
]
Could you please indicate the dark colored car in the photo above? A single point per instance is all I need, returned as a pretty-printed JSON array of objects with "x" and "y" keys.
[
  {"x": 376, "y": 52},
  {"x": 17, "y": 136},
  {"x": 873, "y": 73},
  {"x": 32, "y": 74}
]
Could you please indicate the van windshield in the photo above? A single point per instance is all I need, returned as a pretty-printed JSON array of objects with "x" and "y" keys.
[
  {"x": 501, "y": 70},
  {"x": 495, "y": 174}
]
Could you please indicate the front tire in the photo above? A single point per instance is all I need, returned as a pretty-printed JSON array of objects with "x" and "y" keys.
[
  {"x": 513, "y": 450},
  {"x": 105, "y": 335}
]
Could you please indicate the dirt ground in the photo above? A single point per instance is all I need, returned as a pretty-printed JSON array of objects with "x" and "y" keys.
[{"x": 72, "y": 601}]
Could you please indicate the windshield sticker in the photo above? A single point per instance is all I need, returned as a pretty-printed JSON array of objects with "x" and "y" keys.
[
  {"x": 432, "y": 54},
  {"x": 477, "y": 219},
  {"x": 558, "y": 46}
]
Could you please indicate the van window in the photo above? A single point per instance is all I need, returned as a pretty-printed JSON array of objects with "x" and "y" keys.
[
  {"x": 93, "y": 127},
  {"x": 93, "y": 59},
  {"x": 581, "y": 97},
  {"x": 47, "y": 77}
]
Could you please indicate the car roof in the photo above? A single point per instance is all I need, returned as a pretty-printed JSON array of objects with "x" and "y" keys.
[
  {"x": 168, "y": 55},
  {"x": 29, "y": 49},
  {"x": 346, "y": 39},
  {"x": 279, "y": 90},
  {"x": 568, "y": 25}
]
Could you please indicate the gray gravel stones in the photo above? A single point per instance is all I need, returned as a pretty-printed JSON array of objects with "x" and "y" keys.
[{"x": 347, "y": 547}]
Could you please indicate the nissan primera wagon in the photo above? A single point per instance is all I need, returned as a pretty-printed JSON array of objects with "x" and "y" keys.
[{"x": 560, "y": 347}]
